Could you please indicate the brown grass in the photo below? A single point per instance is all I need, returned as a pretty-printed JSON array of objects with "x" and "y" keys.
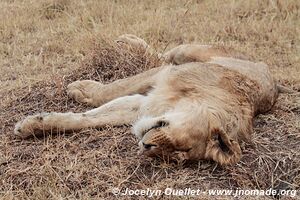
[{"x": 44, "y": 45}]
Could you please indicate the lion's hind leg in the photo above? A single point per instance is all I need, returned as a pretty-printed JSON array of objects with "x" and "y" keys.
[
  {"x": 198, "y": 53},
  {"x": 123, "y": 110},
  {"x": 132, "y": 40}
]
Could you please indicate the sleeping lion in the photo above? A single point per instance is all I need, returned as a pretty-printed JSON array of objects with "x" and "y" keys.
[{"x": 201, "y": 103}]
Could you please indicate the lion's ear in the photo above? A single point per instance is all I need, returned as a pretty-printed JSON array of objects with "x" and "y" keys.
[{"x": 222, "y": 149}]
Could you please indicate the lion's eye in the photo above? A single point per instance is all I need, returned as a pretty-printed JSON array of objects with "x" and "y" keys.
[
  {"x": 148, "y": 146},
  {"x": 162, "y": 123},
  {"x": 158, "y": 124}
]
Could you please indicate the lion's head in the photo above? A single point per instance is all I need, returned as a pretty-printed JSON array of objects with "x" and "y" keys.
[{"x": 196, "y": 135}]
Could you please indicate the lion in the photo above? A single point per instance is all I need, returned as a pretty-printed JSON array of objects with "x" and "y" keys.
[{"x": 200, "y": 103}]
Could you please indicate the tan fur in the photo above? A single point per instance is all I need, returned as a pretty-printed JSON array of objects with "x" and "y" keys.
[
  {"x": 197, "y": 53},
  {"x": 200, "y": 104}
]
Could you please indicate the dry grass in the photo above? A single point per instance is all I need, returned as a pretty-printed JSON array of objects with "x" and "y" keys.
[{"x": 44, "y": 45}]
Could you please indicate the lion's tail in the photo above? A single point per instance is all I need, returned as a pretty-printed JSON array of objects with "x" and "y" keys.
[{"x": 284, "y": 89}]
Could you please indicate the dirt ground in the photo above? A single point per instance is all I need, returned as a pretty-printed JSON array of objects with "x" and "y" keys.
[{"x": 45, "y": 45}]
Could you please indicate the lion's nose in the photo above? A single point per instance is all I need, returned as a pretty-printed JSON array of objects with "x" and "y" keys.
[{"x": 148, "y": 146}]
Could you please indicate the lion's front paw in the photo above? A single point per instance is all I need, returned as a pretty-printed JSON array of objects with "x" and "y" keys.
[
  {"x": 84, "y": 91},
  {"x": 29, "y": 126}
]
